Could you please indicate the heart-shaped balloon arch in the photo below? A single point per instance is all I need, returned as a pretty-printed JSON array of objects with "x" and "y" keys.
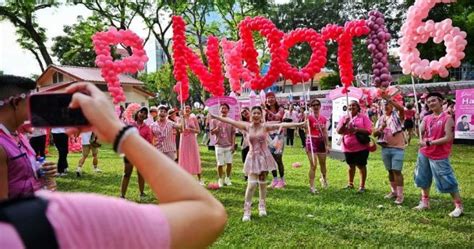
[{"x": 414, "y": 31}]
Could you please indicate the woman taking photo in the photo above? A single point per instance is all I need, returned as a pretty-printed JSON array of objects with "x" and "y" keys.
[
  {"x": 355, "y": 128},
  {"x": 259, "y": 159},
  {"x": 317, "y": 145},
  {"x": 184, "y": 205}
]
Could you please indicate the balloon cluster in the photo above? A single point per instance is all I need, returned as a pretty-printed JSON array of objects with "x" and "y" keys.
[
  {"x": 343, "y": 36},
  {"x": 75, "y": 144},
  {"x": 233, "y": 65},
  {"x": 415, "y": 31},
  {"x": 110, "y": 70},
  {"x": 274, "y": 36},
  {"x": 392, "y": 91},
  {"x": 179, "y": 57},
  {"x": 212, "y": 80},
  {"x": 129, "y": 113},
  {"x": 318, "y": 56},
  {"x": 377, "y": 45}
]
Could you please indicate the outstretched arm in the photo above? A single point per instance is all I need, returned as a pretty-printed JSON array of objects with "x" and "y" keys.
[
  {"x": 271, "y": 127},
  {"x": 184, "y": 203},
  {"x": 236, "y": 124}
]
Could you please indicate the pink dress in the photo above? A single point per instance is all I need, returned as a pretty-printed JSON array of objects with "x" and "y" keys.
[
  {"x": 259, "y": 158},
  {"x": 189, "y": 158}
]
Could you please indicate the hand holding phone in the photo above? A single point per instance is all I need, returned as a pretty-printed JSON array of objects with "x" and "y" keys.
[{"x": 52, "y": 110}]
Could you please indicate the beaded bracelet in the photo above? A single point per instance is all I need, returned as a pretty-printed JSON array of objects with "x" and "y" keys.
[{"x": 120, "y": 136}]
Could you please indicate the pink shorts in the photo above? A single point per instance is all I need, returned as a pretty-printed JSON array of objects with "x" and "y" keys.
[{"x": 315, "y": 145}]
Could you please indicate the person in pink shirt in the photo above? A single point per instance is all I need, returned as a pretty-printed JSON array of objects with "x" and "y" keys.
[
  {"x": 317, "y": 145},
  {"x": 356, "y": 152},
  {"x": 189, "y": 157},
  {"x": 18, "y": 167},
  {"x": 145, "y": 131},
  {"x": 80, "y": 220},
  {"x": 389, "y": 131},
  {"x": 225, "y": 145},
  {"x": 433, "y": 157},
  {"x": 163, "y": 133}
]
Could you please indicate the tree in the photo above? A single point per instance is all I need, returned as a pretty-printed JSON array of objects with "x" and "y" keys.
[
  {"x": 116, "y": 13},
  {"x": 22, "y": 14},
  {"x": 330, "y": 81},
  {"x": 75, "y": 47}
]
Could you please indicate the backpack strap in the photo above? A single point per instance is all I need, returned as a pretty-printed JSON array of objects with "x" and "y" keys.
[{"x": 28, "y": 216}]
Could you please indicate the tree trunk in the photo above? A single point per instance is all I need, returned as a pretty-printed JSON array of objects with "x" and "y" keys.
[
  {"x": 42, "y": 48},
  {"x": 38, "y": 59}
]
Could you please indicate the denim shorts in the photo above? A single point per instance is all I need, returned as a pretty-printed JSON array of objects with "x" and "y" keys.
[
  {"x": 393, "y": 158},
  {"x": 441, "y": 170}
]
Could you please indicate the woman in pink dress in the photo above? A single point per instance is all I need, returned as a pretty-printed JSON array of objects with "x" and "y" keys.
[
  {"x": 259, "y": 160},
  {"x": 189, "y": 158}
]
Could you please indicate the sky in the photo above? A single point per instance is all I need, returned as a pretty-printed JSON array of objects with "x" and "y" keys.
[{"x": 17, "y": 61}]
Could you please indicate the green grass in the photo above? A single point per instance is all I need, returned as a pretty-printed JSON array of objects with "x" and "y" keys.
[{"x": 334, "y": 218}]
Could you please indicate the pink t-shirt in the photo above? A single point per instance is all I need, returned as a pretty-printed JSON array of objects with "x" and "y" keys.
[
  {"x": 434, "y": 129},
  {"x": 164, "y": 137},
  {"x": 93, "y": 221},
  {"x": 316, "y": 125},
  {"x": 224, "y": 134},
  {"x": 350, "y": 143},
  {"x": 410, "y": 114}
]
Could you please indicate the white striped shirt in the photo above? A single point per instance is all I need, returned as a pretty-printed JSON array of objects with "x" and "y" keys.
[{"x": 163, "y": 137}]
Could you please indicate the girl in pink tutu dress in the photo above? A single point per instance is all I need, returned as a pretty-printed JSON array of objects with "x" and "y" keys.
[
  {"x": 189, "y": 158},
  {"x": 259, "y": 160}
]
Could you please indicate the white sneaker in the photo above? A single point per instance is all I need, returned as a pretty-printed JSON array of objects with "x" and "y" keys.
[
  {"x": 262, "y": 209},
  {"x": 457, "y": 212},
  {"x": 247, "y": 211},
  {"x": 227, "y": 181},
  {"x": 422, "y": 206},
  {"x": 324, "y": 182},
  {"x": 97, "y": 170},
  {"x": 201, "y": 182},
  {"x": 220, "y": 182},
  {"x": 79, "y": 171}
]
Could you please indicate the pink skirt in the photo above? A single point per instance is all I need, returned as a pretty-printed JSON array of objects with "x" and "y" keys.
[
  {"x": 189, "y": 158},
  {"x": 258, "y": 162}
]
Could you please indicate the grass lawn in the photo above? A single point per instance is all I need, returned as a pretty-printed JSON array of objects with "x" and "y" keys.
[{"x": 334, "y": 218}]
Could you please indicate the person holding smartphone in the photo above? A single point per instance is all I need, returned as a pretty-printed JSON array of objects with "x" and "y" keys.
[
  {"x": 183, "y": 204},
  {"x": 18, "y": 167}
]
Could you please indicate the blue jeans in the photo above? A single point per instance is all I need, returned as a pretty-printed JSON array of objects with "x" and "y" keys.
[
  {"x": 441, "y": 170},
  {"x": 393, "y": 158}
]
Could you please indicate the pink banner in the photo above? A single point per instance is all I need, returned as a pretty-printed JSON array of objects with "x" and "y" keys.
[{"x": 464, "y": 120}]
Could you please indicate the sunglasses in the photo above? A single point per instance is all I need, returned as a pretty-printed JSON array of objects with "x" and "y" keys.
[{"x": 315, "y": 104}]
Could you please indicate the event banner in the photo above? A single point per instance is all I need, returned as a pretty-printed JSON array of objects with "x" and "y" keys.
[
  {"x": 213, "y": 106},
  {"x": 464, "y": 123}
]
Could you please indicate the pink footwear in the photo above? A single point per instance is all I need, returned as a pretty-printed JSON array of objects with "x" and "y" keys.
[
  {"x": 280, "y": 184},
  {"x": 283, "y": 182},
  {"x": 274, "y": 183}
]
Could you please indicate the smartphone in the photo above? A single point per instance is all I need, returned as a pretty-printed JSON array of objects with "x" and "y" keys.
[{"x": 52, "y": 110}]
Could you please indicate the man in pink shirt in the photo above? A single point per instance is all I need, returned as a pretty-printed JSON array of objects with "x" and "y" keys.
[
  {"x": 164, "y": 138},
  {"x": 433, "y": 156},
  {"x": 225, "y": 141}
]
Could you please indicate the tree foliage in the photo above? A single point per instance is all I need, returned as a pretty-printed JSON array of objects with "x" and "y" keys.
[
  {"x": 330, "y": 81},
  {"x": 32, "y": 37},
  {"x": 75, "y": 46}
]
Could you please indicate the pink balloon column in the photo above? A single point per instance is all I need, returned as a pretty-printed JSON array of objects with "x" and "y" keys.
[
  {"x": 112, "y": 69},
  {"x": 75, "y": 144},
  {"x": 343, "y": 36},
  {"x": 213, "y": 80},
  {"x": 234, "y": 69},
  {"x": 274, "y": 36},
  {"x": 415, "y": 31},
  {"x": 316, "y": 61},
  {"x": 179, "y": 59},
  {"x": 377, "y": 45}
]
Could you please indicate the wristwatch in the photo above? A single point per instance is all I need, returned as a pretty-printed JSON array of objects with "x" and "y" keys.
[{"x": 428, "y": 143}]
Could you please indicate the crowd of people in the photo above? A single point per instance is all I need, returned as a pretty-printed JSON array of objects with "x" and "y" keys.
[{"x": 265, "y": 131}]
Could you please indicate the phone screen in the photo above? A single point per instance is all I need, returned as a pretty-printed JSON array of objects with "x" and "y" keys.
[{"x": 52, "y": 110}]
